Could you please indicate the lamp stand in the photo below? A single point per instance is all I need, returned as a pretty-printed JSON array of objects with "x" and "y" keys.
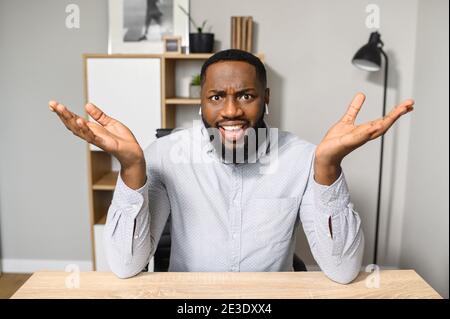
[{"x": 380, "y": 173}]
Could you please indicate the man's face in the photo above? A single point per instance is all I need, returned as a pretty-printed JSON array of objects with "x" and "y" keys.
[{"x": 233, "y": 100}]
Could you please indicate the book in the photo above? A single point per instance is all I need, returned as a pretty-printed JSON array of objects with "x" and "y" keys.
[
  {"x": 243, "y": 44},
  {"x": 249, "y": 44},
  {"x": 238, "y": 32},
  {"x": 233, "y": 33},
  {"x": 241, "y": 33}
]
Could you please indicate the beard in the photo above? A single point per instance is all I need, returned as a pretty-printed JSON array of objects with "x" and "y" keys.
[{"x": 242, "y": 150}]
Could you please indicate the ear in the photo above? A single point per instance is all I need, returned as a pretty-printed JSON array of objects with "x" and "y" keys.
[{"x": 267, "y": 96}]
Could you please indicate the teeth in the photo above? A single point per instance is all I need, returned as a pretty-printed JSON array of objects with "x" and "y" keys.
[{"x": 232, "y": 127}]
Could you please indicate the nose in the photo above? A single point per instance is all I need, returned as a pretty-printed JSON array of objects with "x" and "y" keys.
[{"x": 231, "y": 109}]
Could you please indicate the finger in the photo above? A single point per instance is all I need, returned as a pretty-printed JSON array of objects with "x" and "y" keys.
[
  {"x": 103, "y": 138},
  {"x": 362, "y": 134},
  {"x": 401, "y": 109},
  {"x": 71, "y": 120},
  {"x": 97, "y": 114},
  {"x": 85, "y": 131},
  {"x": 398, "y": 111},
  {"x": 380, "y": 126},
  {"x": 62, "y": 110},
  {"x": 353, "y": 109},
  {"x": 52, "y": 105},
  {"x": 100, "y": 132},
  {"x": 67, "y": 117},
  {"x": 66, "y": 123}
]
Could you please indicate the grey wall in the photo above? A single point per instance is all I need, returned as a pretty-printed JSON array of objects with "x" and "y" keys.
[
  {"x": 308, "y": 46},
  {"x": 43, "y": 183},
  {"x": 425, "y": 228}
]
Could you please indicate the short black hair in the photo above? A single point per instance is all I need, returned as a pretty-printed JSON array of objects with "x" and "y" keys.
[{"x": 236, "y": 55}]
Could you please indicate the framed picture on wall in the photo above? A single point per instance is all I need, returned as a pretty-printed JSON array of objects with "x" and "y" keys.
[{"x": 139, "y": 26}]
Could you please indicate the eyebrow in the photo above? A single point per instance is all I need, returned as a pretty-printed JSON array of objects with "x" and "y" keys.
[{"x": 238, "y": 92}]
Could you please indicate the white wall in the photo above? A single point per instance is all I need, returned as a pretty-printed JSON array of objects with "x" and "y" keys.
[{"x": 425, "y": 226}]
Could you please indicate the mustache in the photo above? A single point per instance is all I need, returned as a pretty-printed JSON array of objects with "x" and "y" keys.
[
  {"x": 258, "y": 124},
  {"x": 214, "y": 135}
]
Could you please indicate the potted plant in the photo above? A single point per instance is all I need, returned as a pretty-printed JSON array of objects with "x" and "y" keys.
[
  {"x": 194, "y": 88},
  {"x": 199, "y": 42}
]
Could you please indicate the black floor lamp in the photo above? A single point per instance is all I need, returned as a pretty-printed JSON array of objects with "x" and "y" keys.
[{"x": 368, "y": 58}]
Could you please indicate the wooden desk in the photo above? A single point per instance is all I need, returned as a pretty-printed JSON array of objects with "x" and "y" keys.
[{"x": 393, "y": 284}]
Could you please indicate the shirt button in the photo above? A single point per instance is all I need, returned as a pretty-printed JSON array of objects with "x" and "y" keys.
[{"x": 136, "y": 237}]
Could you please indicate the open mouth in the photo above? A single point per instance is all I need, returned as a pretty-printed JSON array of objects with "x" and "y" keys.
[{"x": 233, "y": 132}]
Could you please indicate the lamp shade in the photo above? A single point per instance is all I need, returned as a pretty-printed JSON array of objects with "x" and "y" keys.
[{"x": 369, "y": 56}]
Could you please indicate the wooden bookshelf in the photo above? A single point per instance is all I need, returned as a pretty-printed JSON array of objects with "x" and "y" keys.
[
  {"x": 102, "y": 179},
  {"x": 107, "y": 182},
  {"x": 182, "y": 101},
  {"x": 102, "y": 220},
  {"x": 170, "y": 100},
  {"x": 191, "y": 56},
  {"x": 168, "y": 78}
]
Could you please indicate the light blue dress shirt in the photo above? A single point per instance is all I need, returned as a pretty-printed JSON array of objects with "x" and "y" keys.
[{"x": 233, "y": 217}]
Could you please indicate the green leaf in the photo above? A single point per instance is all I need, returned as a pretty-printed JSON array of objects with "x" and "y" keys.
[{"x": 196, "y": 79}]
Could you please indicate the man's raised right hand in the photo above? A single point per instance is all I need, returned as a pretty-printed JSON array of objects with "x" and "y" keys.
[{"x": 110, "y": 135}]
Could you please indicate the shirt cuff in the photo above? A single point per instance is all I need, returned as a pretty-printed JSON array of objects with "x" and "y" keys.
[
  {"x": 334, "y": 197},
  {"x": 129, "y": 199}
]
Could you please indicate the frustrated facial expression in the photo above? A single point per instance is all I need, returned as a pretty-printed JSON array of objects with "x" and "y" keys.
[{"x": 233, "y": 100}]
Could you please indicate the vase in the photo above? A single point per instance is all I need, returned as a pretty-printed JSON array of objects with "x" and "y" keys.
[{"x": 201, "y": 42}]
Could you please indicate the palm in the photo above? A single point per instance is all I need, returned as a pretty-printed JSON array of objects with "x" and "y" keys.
[
  {"x": 106, "y": 132},
  {"x": 344, "y": 137},
  {"x": 113, "y": 136}
]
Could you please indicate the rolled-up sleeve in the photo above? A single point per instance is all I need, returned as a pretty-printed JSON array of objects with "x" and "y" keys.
[{"x": 333, "y": 228}]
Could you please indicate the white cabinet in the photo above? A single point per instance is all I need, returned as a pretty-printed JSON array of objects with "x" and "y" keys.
[
  {"x": 101, "y": 263},
  {"x": 129, "y": 90}
]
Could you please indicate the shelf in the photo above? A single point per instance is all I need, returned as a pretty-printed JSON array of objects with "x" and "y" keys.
[
  {"x": 101, "y": 203},
  {"x": 197, "y": 56},
  {"x": 183, "y": 101},
  {"x": 101, "y": 220},
  {"x": 107, "y": 182},
  {"x": 191, "y": 56}
]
